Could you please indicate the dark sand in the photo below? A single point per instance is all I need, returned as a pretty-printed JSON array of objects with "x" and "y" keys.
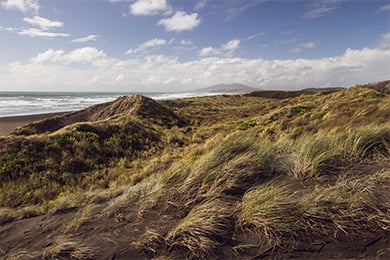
[{"x": 7, "y": 124}]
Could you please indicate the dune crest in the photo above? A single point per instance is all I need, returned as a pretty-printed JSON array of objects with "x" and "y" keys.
[{"x": 125, "y": 106}]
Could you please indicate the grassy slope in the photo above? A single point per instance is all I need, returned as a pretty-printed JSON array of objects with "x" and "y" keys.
[{"x": 227, "y": 177}]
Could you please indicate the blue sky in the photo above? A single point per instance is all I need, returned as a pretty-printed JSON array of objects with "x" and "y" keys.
[{"x": 176, "y": 45}]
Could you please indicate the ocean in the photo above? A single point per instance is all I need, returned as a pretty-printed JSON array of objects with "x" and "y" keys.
[{"x": 30, "y": 103}]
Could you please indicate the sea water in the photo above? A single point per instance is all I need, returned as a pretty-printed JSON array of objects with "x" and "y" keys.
[{"x": 30, "y": 103}]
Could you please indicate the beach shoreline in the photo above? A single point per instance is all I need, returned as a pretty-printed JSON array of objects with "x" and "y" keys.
[{"x": 8, "y": 123}]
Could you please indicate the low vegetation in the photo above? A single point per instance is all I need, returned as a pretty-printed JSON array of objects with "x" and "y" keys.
[{"x": 302, "y": 174}]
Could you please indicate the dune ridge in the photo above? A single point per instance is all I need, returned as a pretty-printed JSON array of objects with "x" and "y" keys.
[{"x": 125, "y": 106}]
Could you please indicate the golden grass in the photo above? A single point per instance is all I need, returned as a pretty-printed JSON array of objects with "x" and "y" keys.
[
  {"x": 353, "y": 205},
  {"x": 279, "y": 212},
  {"x": 140, "y": 195},
  {"x": 203, "y": 230},
  {"x": 270, "y": 210},
  {"x": 67, "y": 247},
  {"x": 149, "y": 244},
  {"x": 18, "y": 254},
  {"x": 328, "y": 153}
]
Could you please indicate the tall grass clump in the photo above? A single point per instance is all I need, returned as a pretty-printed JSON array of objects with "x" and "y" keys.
[
  {"x": 271, "y": 212},
  {"x": 280, "y": 213},
  {"x": 309, "y": 154},
  {"x": 332, "y": 152},
  {"x": 353, "y": 205},
  {"x": 370, "y": 142},
  {"x": 205, "y": 229},
  {"x": 229, "y": 169},
  {"x": 66, "y": 247},
  {"x": 139, "y": 194}
]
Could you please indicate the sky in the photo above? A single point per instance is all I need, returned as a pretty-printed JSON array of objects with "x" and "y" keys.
[{"x": 180, "y": 45}]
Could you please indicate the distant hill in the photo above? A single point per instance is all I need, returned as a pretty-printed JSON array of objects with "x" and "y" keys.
[
  {"x": 228, "y": 88},
  {"x": 283, "y": 94}
]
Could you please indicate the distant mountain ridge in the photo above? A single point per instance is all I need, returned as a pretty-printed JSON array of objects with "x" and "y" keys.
[
  {"x": 283, "y": 94},
  {"x": 228, "y": 88}
]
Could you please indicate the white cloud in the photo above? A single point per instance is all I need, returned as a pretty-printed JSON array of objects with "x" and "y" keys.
[
  {"x": 44, "y": 23},
  {"x": 93, "y": 81},
  {"x": 386, "y": 7},
  {"x": 42, "y": 32},
  {"x": 319, "y": 11},
  {"x": 385, "y": 41},
  {"x": 231, "y": 45},
  {"x": 206, "y": 51},
  {"x": 180, "y": 21},
  {"x": 319, "y": 8},
  {"x": 162, "y": 73},
  {"x": 21, "y": 5},
  {"x": 235, "y": 8},
  {"x": 253, "y": 36},
  {"x": 88, "y": 38},
  {"x": 146, "y": 45},
  {"x": 8, "y": 29},
  {"x": 49, "y": 55},
  {"x": 148, "y": 7},
  {"x": 186, "y": 42},
  {"x": 306, "y": 45},
  {"x": 82, "y": 55},
  {"x": 121, "y": 77},
  {"x": 33, "y": 32},
  {"x": 200, "y": 5},
  {"x": 296, "y": 50},
  {"x": 225, "y": 50}
]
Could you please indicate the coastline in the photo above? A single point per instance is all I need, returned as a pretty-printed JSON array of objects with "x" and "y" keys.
[{"x": 8, "y": 123}]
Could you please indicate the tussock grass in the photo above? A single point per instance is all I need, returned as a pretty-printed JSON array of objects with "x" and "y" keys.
[
  {"x": 156, "y": 166},
  {"x": 353, "y": 205},
  {"x": 82, "y": 217},
  {"x": 203, "y": 230},
  {"x": 329, "y": 153},
  {"x": 18, "y": 254},
  {"x": 66, "y": 247},
  {"x": 179, "y": 170},
  {"x": 140, "y": 194},
  {"x": 270, "y": 210},
  {"x": 229, "y": 169},
  {"x": 8, "y": 215},
  {"x": 355, "y": 202},
  {"x": 149, "y": 244},
  {"x": 370, "y": 142},
  {"x": 279, "y": 212}
]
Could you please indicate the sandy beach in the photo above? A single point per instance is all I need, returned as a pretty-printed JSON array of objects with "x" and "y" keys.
[{"x": 7, "y": 124}]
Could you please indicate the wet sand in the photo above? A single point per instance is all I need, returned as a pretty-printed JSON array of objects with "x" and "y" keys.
[{"x": 7, "y": 124}]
